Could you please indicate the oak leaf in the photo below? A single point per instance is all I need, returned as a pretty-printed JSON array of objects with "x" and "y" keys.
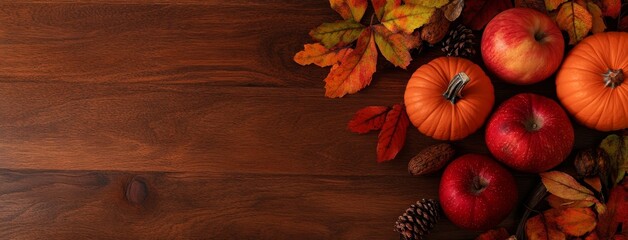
[
  {"x": 350, "y": 9},
  {"x": 565, "y": 186},
  {"x": 319, "y": 55},
  {"x": 368, "y": 118},
  {"x": 616, "y": 213},
  {"x": 477, "y": 13},
  {"x": 428, "y": 3},
  {"x": 598, "y": 21},
  {"x": 553, "y": 4},
  {"x": 576, "y": 20},
  {"x": 393, "y": 46},
  {"x": 453, "y": 10},
  {"x": 337, "y": 34},
  {"x": 393, "y": 134},
  {"x": 355, "y": 71},
  {"x": 383, "y": 6},
  {"x": 406, "y": 18},
  {"x": 494, "y": 234},
  {"x": 543, "y": 227},
  {"x": 612, "y": 8},
  {"x": 576, "y": 221}
]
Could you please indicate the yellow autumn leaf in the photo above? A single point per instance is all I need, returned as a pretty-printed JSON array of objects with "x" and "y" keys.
[
  {"x": 337, "y": 34},
  {"x": 393, "y": 46},
  {"x": 428, "y": 3},
  {"x": 407, "y": 17},
  {"x": 349, "y": 9},
  {"x": 598, "y": 20},
  {"x": 576, "y": 20}
]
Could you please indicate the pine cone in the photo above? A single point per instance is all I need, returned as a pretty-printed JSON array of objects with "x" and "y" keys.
[
  {"x": 418, "y": 220},
  {"x": 459, "y": 41}
]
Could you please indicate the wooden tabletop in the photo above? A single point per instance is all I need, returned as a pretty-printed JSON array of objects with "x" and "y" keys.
[{"x": 189, "y": 120}]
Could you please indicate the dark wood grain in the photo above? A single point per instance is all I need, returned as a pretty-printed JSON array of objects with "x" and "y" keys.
[{"x": 189, "y": 119}]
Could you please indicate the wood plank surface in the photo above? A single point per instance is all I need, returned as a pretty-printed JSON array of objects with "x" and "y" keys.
[{"x": 200, "y": 104}]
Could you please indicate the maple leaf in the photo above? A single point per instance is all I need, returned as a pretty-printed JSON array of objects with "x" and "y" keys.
[
  {"x": 611, "y": 8},
  {"x": 428, "y": 3},
  {"x": 598, "y": 21},
  {"x": 383, "y": 6},
  {"x": 576, "y": 20},
  {"x": 453, "y": 10},
  {"x": 393, "y": 134},
  {"x": 350, "y": 9},
  {"x": 576, "y": 221},
  {"x": 355, "y": 70},
  {"x": 553, "y": 4},
  {"x": 494, "y": 234},
  {"x": 534, "y": 4},
  {"x": 477, "y": 13},
  {"x": 337, "y": 34},
  {"x": 616, "y": 213},
  {"x": 407, "y": 17},
  {"x": 565, "y": 186},
  {"x": 543, "y": 226},
  {"x": 393, "y": 46},
  {"x": 368, "y": 118},
  {"x": 317, "y": 54}
]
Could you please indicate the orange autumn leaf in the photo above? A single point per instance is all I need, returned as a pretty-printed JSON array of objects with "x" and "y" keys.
[
  {"x": 393, "y": 134},
  {"x": 319, "y": 55},
  {"x": 543, "y": 227},
  {"x": 595, "y": 183},
  {"x": 337, "y": 34},
  {"x": 349, "y": 9},
  {"x": 406, "y": 18},
  {"x": 598, "y": 21},
  {"x": 565, "y": 186},
  {"x": 611, "y": 8},
  {"x": 557, "y": 202},
  {"x": 553, "y": 4},
  {"x": 616, "y": 213},
  {"x": 393, "y": 46},
  {"x": 592, "y": 236},
  {"x": 355, "y": 70},
  {"x": 576, "y": 221},
  {"x": 494, "y": 234},
  {"x": 576, "y": 20},
  {"x": 381, "y": 7}
]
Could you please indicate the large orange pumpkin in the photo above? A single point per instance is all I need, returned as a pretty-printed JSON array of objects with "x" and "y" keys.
[
  {"x": 590, "y": 84},
  {"x": 449, "y": 98}
]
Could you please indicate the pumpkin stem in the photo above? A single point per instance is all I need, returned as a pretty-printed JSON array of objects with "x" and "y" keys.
[
  {"x": 613, "y": 78},
  {"x": 453, "y": 92}
]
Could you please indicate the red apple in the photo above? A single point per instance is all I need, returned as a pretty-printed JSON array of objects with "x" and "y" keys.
[
  {"x": 530, "y": 133},
  {"x": 522, "y": 46},
  {"x": 476, "y": 192}
]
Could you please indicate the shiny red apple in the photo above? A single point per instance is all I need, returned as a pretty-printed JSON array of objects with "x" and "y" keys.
[
  {"x": 476, "y": 192},
  {"x": 522, "y": 46},
  {"x": 530, "y": 133}
]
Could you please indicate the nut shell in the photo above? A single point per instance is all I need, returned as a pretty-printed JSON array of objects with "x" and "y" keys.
[
  {"x": 591, "y": 162},
  {"x": 431, "y": 159}
]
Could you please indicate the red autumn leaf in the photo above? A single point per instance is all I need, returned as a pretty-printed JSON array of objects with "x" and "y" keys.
[
  {"x": 616, "y": 212},
  {"x": 477, "y": 13},
  {"x": 576, "y": 221},
  {"x": 355, "y": 70},
  {"x": 368, "y": 118},
  {"x": 494, "y": 234},
  {"x": 611, "y": 8},
  {"x": 393, "y": 134},
  {"x": 543, "y": 226}
]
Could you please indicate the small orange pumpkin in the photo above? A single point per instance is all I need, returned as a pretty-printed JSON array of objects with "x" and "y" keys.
[
  {"x": 449, "y": 98},
  {"x": 590, "y": 84}
]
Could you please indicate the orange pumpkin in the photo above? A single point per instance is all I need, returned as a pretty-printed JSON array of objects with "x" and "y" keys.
[
  {"x": 590, "y": 84},
  {"x": 449, "y": 98}
]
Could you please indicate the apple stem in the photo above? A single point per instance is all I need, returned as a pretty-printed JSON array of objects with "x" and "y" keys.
[
  {"x": 613, "y": 78},
  {"x": 455, "y": 87}
]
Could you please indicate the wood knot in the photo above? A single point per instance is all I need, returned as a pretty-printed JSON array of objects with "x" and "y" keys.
[{"x": 136, "y": 191}]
